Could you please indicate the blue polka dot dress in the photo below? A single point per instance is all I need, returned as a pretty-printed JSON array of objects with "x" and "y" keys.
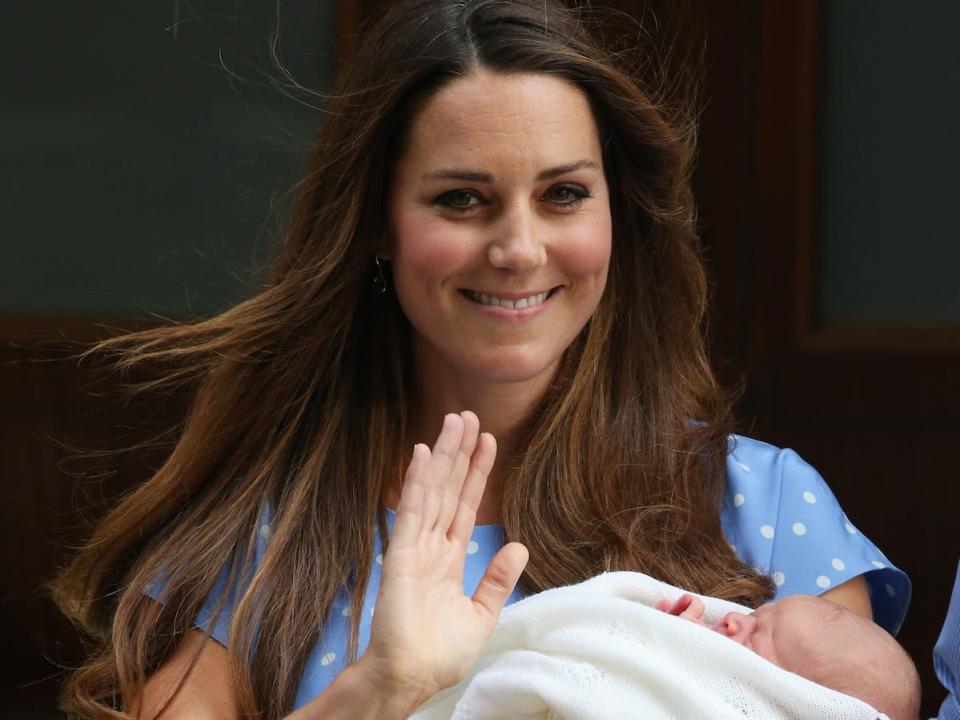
[
  {"x": 781, "y": 518},
  {"x": 779, "y": 515}
]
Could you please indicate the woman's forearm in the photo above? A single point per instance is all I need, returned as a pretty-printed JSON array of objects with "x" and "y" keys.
[{"x": 355, "y": 695}]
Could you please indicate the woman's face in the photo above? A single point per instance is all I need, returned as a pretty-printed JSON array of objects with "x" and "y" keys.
[{"x": 499, "y": 225}]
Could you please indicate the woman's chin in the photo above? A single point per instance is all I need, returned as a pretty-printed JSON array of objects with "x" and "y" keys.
[{"x": 513, "y": 368}]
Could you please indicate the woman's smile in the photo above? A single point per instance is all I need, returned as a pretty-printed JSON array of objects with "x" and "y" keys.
[{"x": 511, "y": 304}]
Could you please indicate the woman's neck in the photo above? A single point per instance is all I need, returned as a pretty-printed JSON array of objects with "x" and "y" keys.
[{"x": 504, "y": 409}]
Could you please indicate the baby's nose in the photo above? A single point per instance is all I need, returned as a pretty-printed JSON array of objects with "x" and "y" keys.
[{"x": 737, "y": 626}]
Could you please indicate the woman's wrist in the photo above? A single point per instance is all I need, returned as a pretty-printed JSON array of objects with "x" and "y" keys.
[
  {"x": 401, "y": 689},
  {"x": 362, "y": 693}
]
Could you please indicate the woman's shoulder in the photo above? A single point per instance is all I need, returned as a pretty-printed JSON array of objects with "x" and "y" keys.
[
  {"x": 764, "y": 482},
  {"x": 772, "y": 475},
  {"x": 748, "y": 454}
]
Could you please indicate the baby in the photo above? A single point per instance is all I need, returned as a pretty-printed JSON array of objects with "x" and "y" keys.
[{"x": 824, "y": 643}]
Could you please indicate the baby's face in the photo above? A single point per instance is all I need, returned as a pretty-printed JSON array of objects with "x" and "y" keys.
[
  {"x": 831, "y": 646},
  {"x": 791, "y": 633}
]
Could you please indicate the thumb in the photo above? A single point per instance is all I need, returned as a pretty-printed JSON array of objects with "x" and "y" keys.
[{"x": 501, "y": 578}]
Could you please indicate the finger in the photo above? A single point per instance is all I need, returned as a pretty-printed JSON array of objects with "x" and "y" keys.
[
  {"x": 500, "y": 579},
  {"x": 441, "y": 461},
  {"x": 470, "y": 495},
  {"x": 663, "y": 605},
  {"x": 679, "y": 605},
  {"x": 694, "y": 611},
  {"x": 461, "y": 464},
  {"x": 696, "y": 608},
  {"x": 682, "y": 603},
  {"x": 409, "y": 519}
]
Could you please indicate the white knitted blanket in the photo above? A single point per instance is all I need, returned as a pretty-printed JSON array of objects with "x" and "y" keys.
[{"x": 599, "y": 650}]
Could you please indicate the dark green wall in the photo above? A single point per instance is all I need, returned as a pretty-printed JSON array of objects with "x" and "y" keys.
[
  {"x": 890, "y": 188},
  {"x": 144, "y": 147}
]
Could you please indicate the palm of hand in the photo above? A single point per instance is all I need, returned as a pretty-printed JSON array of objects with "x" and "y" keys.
[{"x": 426, "y": 632}]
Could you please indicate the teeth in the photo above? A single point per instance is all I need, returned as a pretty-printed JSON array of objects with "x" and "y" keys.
[{"x": 495, "y": 301}]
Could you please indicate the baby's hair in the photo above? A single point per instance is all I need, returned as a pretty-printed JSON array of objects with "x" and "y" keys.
[{"x": 878, "y": 670}]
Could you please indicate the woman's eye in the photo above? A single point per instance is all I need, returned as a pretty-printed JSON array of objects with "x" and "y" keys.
[
  {"x": 567, "y": 195},
  {"x": 459, "y": 200}
]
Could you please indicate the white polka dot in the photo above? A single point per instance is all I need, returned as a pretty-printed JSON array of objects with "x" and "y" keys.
[
  {"x": 379, "y": 558},
  {"x": 739, "y": 499},
  {"x": 265, "y": 531},
  {"x": 890, "y": 590},
  {"x": 472, "y": 547},
  {"x": 347, "y": 611},
  {"x": 823, "y": 581},
  {"x": 809, "y": 497},
  {"x": 767, "y": 531},
  {"x": 838, "y": 564},
  {"x": 733, "y": 547},
  {"x": 878, "y": 565},
  {"x": 371, "y": 610},
  {"x": 779, "y": 578},
  {"x": 799, "y": 528},
  {"x": 850, "y": 528},
  {"x": 745, "y": 468},
  {"x": 328, "y": 658},
  {"x": 758, "y": 570}
]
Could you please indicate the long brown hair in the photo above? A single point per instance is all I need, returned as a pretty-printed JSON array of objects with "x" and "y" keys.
[{"x": 299, "y": 401}]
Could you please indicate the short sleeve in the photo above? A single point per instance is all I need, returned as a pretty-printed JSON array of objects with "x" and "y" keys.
[
  {"x": 783, "y": 519},
  {"x": 207, "y": 618},
  {"x": 221, "y": 628}
]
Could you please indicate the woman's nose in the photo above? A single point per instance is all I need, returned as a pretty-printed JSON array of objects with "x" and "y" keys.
[
  {"x": 737, "y": 626},
  {"x": 516, "y": 245}
]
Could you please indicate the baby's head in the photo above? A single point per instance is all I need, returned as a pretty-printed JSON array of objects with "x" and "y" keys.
[{"x": 831, "y": 646}]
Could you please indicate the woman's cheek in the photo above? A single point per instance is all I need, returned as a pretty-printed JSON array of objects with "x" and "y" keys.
[
  {"x": 589, "y": 249},
  {"x": 430, "y": 250}
]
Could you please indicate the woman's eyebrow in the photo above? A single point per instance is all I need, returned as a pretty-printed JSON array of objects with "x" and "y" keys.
[
  {"x": 559, "y": 170},
  {"x": 480, "y": 176},
  {"x": 468, "y": 175}
]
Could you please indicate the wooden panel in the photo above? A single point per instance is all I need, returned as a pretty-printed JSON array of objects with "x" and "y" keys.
[{"x": 54, "y": 412}]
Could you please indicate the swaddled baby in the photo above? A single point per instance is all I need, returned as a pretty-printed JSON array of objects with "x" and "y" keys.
[
  {"x": 602, "y": 650},
  {"x": 823, "y": 642}
]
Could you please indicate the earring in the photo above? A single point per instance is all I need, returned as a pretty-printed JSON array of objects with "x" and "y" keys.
[{"x": 379, "y": 281}]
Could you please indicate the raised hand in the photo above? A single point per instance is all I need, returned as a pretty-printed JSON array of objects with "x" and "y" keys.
[{"x": 426, "y": 632}]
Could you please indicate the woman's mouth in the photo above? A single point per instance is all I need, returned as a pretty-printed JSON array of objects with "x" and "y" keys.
[{"x": 510, "y": 303}]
